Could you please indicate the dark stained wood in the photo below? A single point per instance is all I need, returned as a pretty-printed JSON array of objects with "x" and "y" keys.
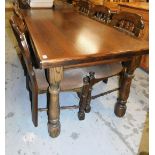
[
  {"x": 128, "y": 22},
  {"x": 23, "y": 4},
  {"x": 35, "y": 78},
  {"x": 101, "y": 74},
  {"x": 100, "y": 13},
  {"x": 83, "y": 98},
  {"x": 37, "y": 83},
  {"x": 142, "y": 9},
  {"x": 60, "y": 43},
  {"x": 105, "y": 93},
  {"x": 18, "y": 16},
  {"x": 65, "y": 41},
  {"x": 19, "y": 21},
  {"x": 21, "y": 38},
  {"x": 92, "y": 78},
  {"x": 125, "y": 83},
  {"x": 84, "y": 6}
]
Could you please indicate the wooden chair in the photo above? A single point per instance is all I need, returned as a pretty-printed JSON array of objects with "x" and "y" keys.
[
  {"x": 129, "y": 23},
  {"x": 126, "y": 22},
  {"x": 75, "y": 3},
  {"x": 84, "y": 7},
  {"x": 37, "y": 82},
  {"x": 20, "y": 22},
  {"x": 59, "y": 4},
  {"x": 100, "y": 13},
  {"x": 96, "y": 74},
  {"x": 23, "y": 4}
]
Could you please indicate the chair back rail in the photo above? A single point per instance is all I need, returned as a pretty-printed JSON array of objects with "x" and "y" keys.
[
  {"x": 23, "y": 4},
  {"x": 100, "y": 13},
  {"x": 84, "y": 6},
  {"x": 22, "y": 42},
  {"x": 128, "y": 22},
  {"x": 16, "y": 9},
  {"x": 19, "y": 20}
]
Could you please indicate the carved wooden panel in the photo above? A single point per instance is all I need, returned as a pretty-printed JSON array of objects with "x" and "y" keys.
[
  {"x": 128, "y": 22},
  {"x": 143, "y": 10}
]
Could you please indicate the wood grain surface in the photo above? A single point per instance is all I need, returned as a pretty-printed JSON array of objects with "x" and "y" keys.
[{"x": 64, "y": 37}]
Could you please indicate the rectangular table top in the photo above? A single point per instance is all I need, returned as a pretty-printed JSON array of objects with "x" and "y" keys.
[{"x": 64, "y": 37}]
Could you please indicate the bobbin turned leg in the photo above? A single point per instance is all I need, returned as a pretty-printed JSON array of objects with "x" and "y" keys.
[
  {"x": 54, "y": 77},
  {"x": 125, "y": 83},
  {"x": 83, "y": 98},
  {"x": 92, "y": 77}
]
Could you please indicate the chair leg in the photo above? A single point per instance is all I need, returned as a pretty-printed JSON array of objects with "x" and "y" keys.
[
  {"x": 79, "y": 94},
  {"x": 91, "y": 77},
  {"x": 29, "y": 89},
  {"x": 27, "y": 83},
  {"x": 30, "y": 96},
  {"x": 24, "y": 67},
  {"x": 34, "y": 108},
  {"x": 22, "y": 62},
  {"x": 83, "y": 98}
]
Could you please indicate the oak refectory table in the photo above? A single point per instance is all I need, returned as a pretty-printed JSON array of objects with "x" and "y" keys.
[{"x": 64, "y": 38}]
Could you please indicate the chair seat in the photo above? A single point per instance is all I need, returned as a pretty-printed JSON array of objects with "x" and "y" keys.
[
  {"x": 104, "y": 70},
  {"x": 73, "y": 78}
]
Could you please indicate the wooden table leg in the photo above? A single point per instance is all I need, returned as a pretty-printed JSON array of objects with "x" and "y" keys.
[
  {"x": 91, "y": 83},
  {"x": 125, "y": 83},
  {"x": 55, "y": 75}
]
